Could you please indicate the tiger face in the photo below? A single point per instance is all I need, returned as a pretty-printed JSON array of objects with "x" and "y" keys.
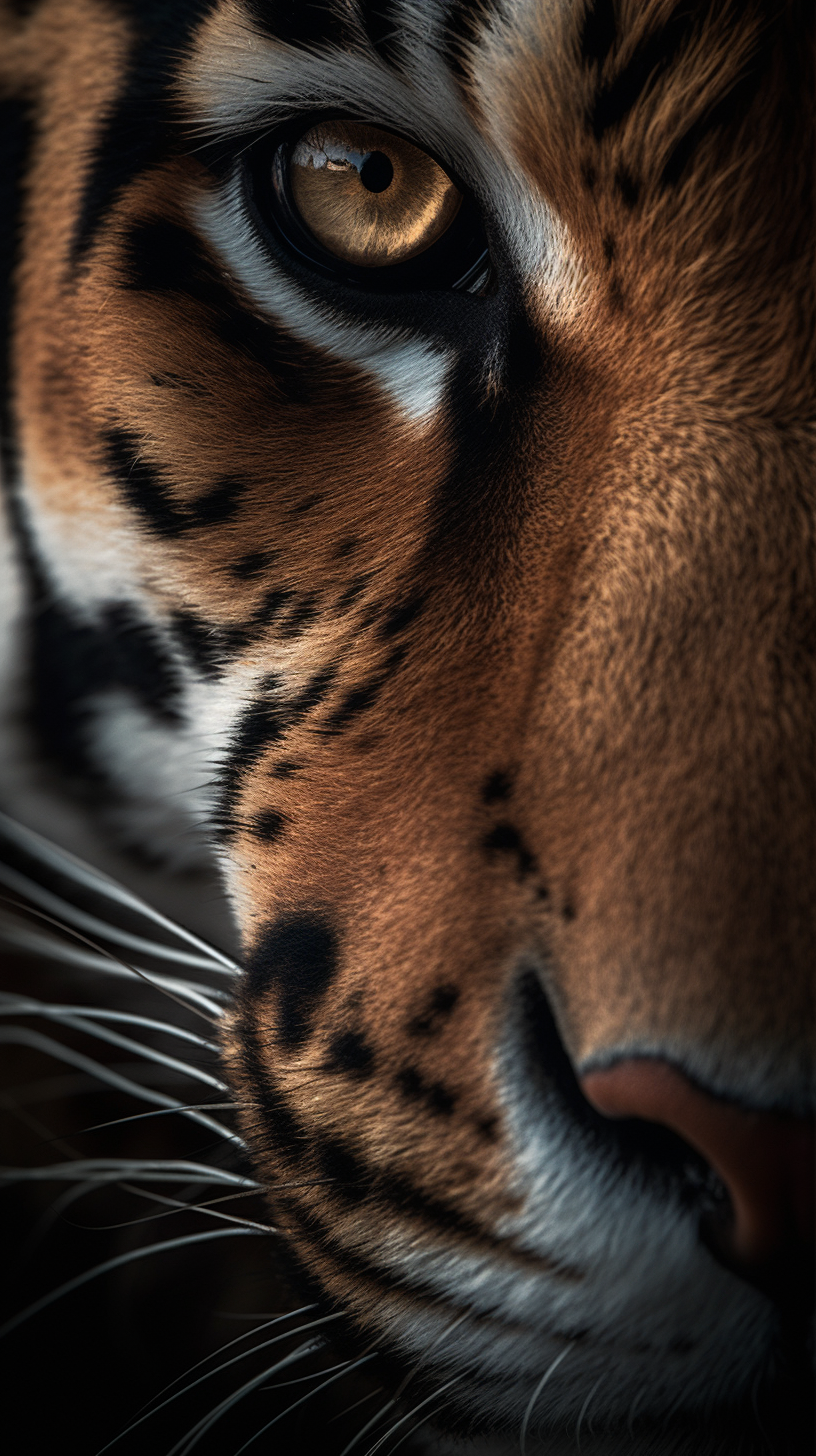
[{"x": 410, "y": 465}]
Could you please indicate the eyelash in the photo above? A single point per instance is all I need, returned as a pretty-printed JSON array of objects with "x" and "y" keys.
[{"x": 459, "y": 261}]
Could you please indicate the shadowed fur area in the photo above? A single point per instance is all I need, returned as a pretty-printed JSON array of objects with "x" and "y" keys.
[{"x": 436, "y": 642}]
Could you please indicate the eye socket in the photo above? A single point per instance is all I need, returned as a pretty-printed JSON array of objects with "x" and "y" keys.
[{"x": 359, "y": 201}]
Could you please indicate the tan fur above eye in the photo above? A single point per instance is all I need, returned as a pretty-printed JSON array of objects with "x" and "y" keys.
[{"x": 370, "y": 197}]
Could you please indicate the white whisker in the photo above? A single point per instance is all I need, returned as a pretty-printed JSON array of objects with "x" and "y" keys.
[
  {"x": 304, "y": 1379},
  {"x": 136, "y": 970},
  {"x": 180, "y": 1205},
  {"x": 582, "y": 1412},
  {"x": 112, "y": 1170},
  {"x": 412, "y": 1430},
  {"x": 392, "y": 1430},
  {"x": 44, "y": 899},
  {"x": 22, "y": 1036},
  {"x": 200, "y": 1429},
  {"x": 47, "y": 946},
  {"x": 217, "y": 1369},
  {"x": 42, "y": 1227},
  {"x": 534, "y": 1397},
  {"x": 116, "y": 1263},
  {"x": 154, "y": 1112},
  {"x": 11, "y": 1005},
  {"x": 369, "y": 1426},
  {"x": 349, "y": 1408},
  {"x": 150, "y": 1407},
  {"x": 172, "y": 1206},
  {"x": 78, "y": 1022},
  {"x": 228, "y": 1345},
  {"x": 444, "y": 1333},
  {"x": 341, "y": 1371},
  {"x": 35, "y": 1124},
  {"x": 71, "y": 866}
]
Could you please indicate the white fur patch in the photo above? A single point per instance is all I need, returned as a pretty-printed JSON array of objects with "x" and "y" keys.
[
  {"x": 91, "y": 558},
  {"x": 163, "y": 781}
]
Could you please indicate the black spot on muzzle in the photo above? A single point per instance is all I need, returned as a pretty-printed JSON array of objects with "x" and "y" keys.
[{"x": 296, "y": 955}]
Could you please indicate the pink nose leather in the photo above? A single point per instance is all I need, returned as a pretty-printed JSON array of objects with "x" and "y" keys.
[{"x": 765, "y": 1160}]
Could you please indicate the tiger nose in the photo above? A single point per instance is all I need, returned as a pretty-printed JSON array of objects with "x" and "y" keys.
[{"x": 765, "y": 1160}]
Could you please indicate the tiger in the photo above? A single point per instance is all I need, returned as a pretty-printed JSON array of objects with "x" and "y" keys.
[{"x": 409, "y": 501}]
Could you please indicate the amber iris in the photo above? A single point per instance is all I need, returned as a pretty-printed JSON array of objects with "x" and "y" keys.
[{"x": 368, "y": 197}]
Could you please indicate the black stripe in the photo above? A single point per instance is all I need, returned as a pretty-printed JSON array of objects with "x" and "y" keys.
[
  {"x": 252, "y": 564},
  {"x": 297, "y": 955},
  {"x": 161, "y": 257},
  {"x": 414, "y": 1087},
  {"x": 479, "y": 507},
  {"x": 240, "y": 634},
  {"x": 141, "y": 485},
  {"x": 263, "y": 723},
  {"x": 281, "y": 1130},
  {"x": 301, "y": 616},
  {"x": 322, "y": 1240},
  {"x": 23, "y": 9},
  {"x": 151, "y": 496},
  {"x": 349, "y": 1178},
  {"x": 383, "y": 25},
  {"x": 651, "y": 59},
  {"x": 304, "y": 23},
  {"x": 345, "y": 548},
  {"x": 307, "y": 504},
  {"x": 599, "y": 31},
  {"x": 729, "y": 111},
  {"x": 628, "y": 187},
  {"x": 355, "y": 1181},
  {"x": 268, "y": 826},
  {"x": 200, "y": 640},
  {"x": 16, "y": 129},
  {"x": 319, "y": 1236},
  {"x": 314, "y": 693},
  {"x": 464, "y": 24},
  {"x": 285, "y": 768},
  {"x": 400, "y": 618},
  {"x": 353, "y": 592},
  {"x": 350, "y": 1053},
  {"x": 505, "y": 839},
  {"x": 352, "y": 1181},
  {"x": 219, "y": 504},
  {"x": 143, "y": 124},
  {"x": 442, "y": 1001},
  {"x": 73, "y": 663},
  {"x": 497, "y": 787},
  {"x": 360, "y": 699}
]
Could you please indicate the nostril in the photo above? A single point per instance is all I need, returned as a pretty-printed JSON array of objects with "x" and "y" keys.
[
  {"x": 653, "y": 1154},
  {"x": 765, "y": 1160}
]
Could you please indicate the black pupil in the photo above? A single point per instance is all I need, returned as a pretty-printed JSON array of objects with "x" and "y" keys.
[{"x": 376, "y": 172}]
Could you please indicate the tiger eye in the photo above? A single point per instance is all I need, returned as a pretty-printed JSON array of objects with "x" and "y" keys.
[{"x": 367, "y": 196}]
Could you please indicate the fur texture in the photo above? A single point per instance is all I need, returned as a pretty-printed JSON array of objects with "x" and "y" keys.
[{"x": 472, "y": 632}]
